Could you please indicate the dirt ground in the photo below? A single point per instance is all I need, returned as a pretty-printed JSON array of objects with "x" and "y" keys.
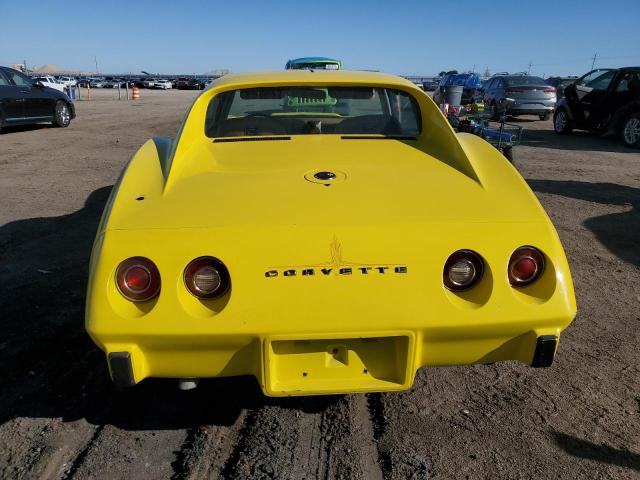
[{"x": 61, "y": 418}]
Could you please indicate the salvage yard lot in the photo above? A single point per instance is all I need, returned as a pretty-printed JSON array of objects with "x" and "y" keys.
[{"x": 61, "y": 418}]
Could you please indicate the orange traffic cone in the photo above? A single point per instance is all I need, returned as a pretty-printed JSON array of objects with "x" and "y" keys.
[{"x": 135, "y": 95}]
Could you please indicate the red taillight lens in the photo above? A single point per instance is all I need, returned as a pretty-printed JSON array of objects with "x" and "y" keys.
[
  {"x": 549, "y": 90},
  {"x": 462, "y": 270},
  {"x": 207, "y": 277},
  {"x": 138, "y": 279},
  {"x": 525, "y": 266}
]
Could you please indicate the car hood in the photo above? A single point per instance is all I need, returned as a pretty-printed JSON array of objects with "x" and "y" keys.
[{"x": 270, "y": 183}]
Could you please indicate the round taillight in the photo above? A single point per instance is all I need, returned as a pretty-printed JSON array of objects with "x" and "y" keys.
[
  {"x": 138, "y": 279},
  {"x": 525, "y": 266},
  {"x": 462, "y": 270},
  {"x": 207, "y": 277}
]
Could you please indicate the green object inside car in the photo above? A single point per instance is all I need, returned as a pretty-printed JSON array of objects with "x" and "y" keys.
[{"x": 303, "y": 102}]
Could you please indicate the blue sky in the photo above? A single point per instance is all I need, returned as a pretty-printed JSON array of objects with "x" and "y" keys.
[{"x": 411, "y": 37}]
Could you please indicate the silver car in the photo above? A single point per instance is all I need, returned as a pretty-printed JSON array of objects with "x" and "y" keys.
[{"x": 531, "y": 95}]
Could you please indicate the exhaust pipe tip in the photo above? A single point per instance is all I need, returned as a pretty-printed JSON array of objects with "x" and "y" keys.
[{"x": 188, "y": 383}]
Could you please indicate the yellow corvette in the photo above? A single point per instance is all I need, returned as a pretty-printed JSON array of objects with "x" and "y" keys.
[{"x": 325, "y": 232}]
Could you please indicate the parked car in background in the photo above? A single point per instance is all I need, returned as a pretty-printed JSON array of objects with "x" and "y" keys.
[
  {"x": 559, "y": 83},
  {"x": 110, "y": 83},
  {"x": 186, "y": 83},
  {"x": 430, "y": 85},
  {"x": 24, "y": 100},
  {"x": 149, "y": 82},
  {"x": 478, "y": 96},
  {"x": 49, "y": 81},
  {"x": 68, "y": 81},
  {"x": 95, "y": 82},
  {"x": 162, "y": 84},
  {"x": 313, "y": 63},
  {"x": 605, "y": 101},
  {"x": 470, "y": 83},
  {"x": 532, "y": 95}
]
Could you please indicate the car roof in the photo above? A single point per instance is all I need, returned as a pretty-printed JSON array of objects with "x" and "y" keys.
[{"x": 289, "y": 77}]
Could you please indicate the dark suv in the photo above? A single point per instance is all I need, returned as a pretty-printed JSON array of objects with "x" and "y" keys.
[
  {"x": 606, "y": 101},
  {"x": 24, "y": 101}
]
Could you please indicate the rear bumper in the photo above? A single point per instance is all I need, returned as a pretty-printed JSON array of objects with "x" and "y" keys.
[
  {"x": 331, "y": 326},
  {"x": 532, "y": 108},
  {"x": 292, "y": 365}
]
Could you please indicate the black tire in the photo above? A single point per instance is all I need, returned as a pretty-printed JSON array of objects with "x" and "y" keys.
[
  {"x": 630, "y": 130},
  {"x": 562, "y": 124},
  {"x": 62, "y": 114},
  {"x": 544, "y": 117}
]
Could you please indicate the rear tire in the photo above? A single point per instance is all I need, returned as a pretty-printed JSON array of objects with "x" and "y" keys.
[
  {"x": 561, "y": 122},
  {"x": 630, "y": 130},
  {"x": 62, "y": 115},
  {"x": 544, "y": 117}
]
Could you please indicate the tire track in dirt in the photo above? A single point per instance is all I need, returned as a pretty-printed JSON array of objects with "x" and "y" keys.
[
  {"x": 310, "y": 437},
  {"x": 379, "y": 426},
  {"x": 73, "y": 466},
  {"x": 206, "y": 451}
]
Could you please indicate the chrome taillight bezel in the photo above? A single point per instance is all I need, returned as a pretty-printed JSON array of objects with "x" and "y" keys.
[
  {"x": 201, "y": 262},
  {"x": 138, "y": 295},
  {"x": 470, "y": 256},
  {"x": 525, "y": 252}
]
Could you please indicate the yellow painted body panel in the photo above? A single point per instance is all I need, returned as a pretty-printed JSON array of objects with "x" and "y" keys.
[{"x": 397, "y": 204}]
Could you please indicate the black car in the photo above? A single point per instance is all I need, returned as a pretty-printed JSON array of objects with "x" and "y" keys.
[
  {"x": 559, "y": 83},
  {"x": 185, "y": 83},
  {"x": 606, "y": 101},
  {"x": 23, "y": 101},
  {"x": 430, "y": 85}
]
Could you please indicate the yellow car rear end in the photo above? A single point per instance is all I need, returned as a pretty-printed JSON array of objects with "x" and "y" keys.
[{"x": 324, "y": 284}]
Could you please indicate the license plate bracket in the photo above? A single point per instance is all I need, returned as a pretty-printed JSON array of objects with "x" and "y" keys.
[{"x": 307, "y": 366}]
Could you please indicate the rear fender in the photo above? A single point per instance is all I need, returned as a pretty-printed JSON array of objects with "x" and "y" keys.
[{"x": 141, "y": 182}]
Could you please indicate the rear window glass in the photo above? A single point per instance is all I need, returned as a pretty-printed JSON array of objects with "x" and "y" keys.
[
  {"x": 302, "y": 110},
  {"x": 523, "y": 80}
]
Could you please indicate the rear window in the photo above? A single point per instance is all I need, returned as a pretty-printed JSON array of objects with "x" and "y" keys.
[
  {"x": 298, "y": 110},
  {"x": 523, "y": 81}
]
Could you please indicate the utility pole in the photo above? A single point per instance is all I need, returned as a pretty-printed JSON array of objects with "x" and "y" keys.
[
  {"x": 473, "y": 70},
  {"x": 95, "y": 59},
  {"x": 529, "y": 69},
  {"x": 593, "y": 63}
]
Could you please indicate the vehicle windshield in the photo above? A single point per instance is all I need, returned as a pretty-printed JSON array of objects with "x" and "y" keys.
[
  {"x": 523, "y": 80},
  {"x": 297, "y": 110}
]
